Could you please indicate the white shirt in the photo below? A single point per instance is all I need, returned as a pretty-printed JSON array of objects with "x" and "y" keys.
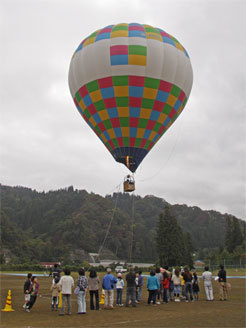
[
  {"x": 207, "y": 277},
  {"x": 66, "y": 284}
]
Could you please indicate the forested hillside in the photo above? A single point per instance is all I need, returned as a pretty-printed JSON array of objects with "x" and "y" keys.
[{"x": 52, "y": 226}]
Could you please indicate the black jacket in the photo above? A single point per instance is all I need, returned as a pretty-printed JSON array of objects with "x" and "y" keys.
[
  {"x": 27, "y": 285},
  {"x": 131, "y": 279}
]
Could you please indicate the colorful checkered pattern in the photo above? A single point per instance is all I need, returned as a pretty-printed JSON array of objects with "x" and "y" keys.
[
  {"x": 128, "y": 55},
  {"x": 131, "y": 30},
  {"x": 129, "y": 112}
]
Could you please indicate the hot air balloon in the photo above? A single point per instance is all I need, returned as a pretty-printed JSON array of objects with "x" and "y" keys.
[{"x": 130, "y": 82}]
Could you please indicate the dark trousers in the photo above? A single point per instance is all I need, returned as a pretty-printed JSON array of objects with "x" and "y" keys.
[
  {"x": 30, "y": 304},
  {"x": 152, "y": 296},
  {"x": 165, "y": 295},
  {"x": 119, "y": 296},
  {"x": 188, "y": 289},
  {"x": 131, "y": 295},
  {"x": 94, "y": 292},
  {"x": 55, "y": 302}
]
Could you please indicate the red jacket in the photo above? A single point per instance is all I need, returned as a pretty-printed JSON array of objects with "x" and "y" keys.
[{"x": 165, "y": 283}]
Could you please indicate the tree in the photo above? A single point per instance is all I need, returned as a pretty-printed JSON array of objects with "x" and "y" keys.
[
  {"x": 169, "y": 240},
  {"x": 234, "y": 235},
  {"x": 188, "y": 249}
]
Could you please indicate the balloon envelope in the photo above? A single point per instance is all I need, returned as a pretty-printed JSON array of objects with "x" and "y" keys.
[{"x": 130, "y": 82}]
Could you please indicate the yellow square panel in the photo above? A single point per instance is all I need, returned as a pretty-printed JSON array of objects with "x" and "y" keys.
[
  {"x": 150, "y": 93},
  {"x": 93, "y": 122},
  {"x": 154, "y": 36},
  {"x": 137, "y": 60},
  {"x": 121, "y": 91},
  {"x": 82, "y": 105},
  {"x": 89, "y": 41},
  {"x": 180, "y": 109},
  {"x": 162, "y": 118},
  {"x": 103, "y": 114},
  {"x": 152, "y": 135},
  {"x": 123, "y": 111},
  {"x": 171, "y": 100},
  {"x": 140, "y": 132},
  {"x": 96, "y": 95},
  {"x": 125, "y": 131},
  {"x": 103, "y": 138},
  {"x": 145, "y": 113},
  {"x": 111, "y": 133},
  {"x": 178, "y": 46},
  {"x": 120, "y": 33},
  {"x": 169, "y": 124}
]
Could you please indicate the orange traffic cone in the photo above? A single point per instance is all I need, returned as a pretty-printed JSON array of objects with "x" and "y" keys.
[
  {"x": 8, "y": 305},
  {"x": 102, "y": 297}
]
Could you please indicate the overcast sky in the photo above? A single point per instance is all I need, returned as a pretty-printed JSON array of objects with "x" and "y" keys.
[{"x": 45, "y": 144}]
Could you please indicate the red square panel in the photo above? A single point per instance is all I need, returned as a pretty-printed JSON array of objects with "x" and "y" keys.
[
  {"x": 101, "y": 126},
  {"x": 92, "y": 109},
  {"x": 115, "y": 122},
  {"x": 136, "y": 81},
  {"x": 158, "y": 106},
  {"x": 143, "y": 142},
  {"x": 135, "y": 102},
  {"x": 182, "y": 96},
  {"x": 134, "y": 122},
  {"x": 83, "y": 91},
  {"x": 162, "y": 128},
  {"x": 110, "y": 102},
  {"x": 120, "y": 142},
  {"x": 165, "y": 86},
  {"x": 150, "y": 125},
  {"x": 132, "y": 142},
  {"x": 106, "y": 82},
  {"x": 172, "y": 113},
  {"x": 111, "y": 144}
]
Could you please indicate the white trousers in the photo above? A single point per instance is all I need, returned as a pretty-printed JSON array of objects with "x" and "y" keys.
[{"x": 209, "y": 292}]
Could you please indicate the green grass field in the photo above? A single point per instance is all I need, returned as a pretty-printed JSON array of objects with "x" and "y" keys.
[{"x": 196, "y": 314}]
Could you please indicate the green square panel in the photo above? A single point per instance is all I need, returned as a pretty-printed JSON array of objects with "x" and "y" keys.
[
  {"x": 120, "y": 80},
  {"x": 87, "y": 113},
  {"x": 115, "y": 142},
  {"x": 175, "y": 91},
  {"x": 108, "y": 145},
  {"x": 147, "y": 144},
  {"x": 148, "y": 103},
  {"x": 77, "y": 96},
  {"x": 120, "y": 28},
  {"x": 126, "y": 142},
  {"x": 157, "y": 126},
  {"x": 107, "y": 124},
  {"x": 122, "y": 101},
  {"x": 92, "y": 86},
  {"x": 138, "y": 142},
  {"x": 167, "y": 109},
  {"x": 100, "y": 105},
  {"x": 142, "y": 123},
  {"x": 137, "y": 50},
  {"x": 124, "y": 121},
  {"x": 98, "y": 129},
  {"x": 151, "y": 83}
]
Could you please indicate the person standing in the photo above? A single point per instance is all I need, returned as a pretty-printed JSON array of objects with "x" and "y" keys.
[
  {"x": 82, "y": 283},
  {"x": 222, "y": 283},
  {"x": 153, "y": 285},
  {"x": 66, "y": 284},
  {"x": 55, "y": 288},
  {"x": 165, "y": 285},
  {"x": 177, "y": 283},
  {"x": 26, "y": 289},
  {"x": 34, "y": 289},
  {"x": 159, "y": 275},
  {"x": 195, "y": 286},
  {"x": 207, "y": 278},
  {"x": 187, "y": 276},
  {"x": 140, "y": 285},
  {"x": 131, "y": 288},
  {"x": 94, "y": 282},
  {"x": 108, "y": 284},
  {"x": 119, "y": 289}
]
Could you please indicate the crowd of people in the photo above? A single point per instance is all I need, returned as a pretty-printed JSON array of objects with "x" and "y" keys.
[{"x": 163, "y": 286}]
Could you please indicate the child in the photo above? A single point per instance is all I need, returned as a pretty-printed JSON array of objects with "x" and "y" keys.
[
  {"x": 119, "y": 289},
  {"x": 34, "y": 289},
  {"x": 171, "y": 289},
  {"x": 153, "y": 285},
  {"x": 26, "y": 289},
  {"x": 177, "y": 282},
  {"x": 165, "y": 284},
  {"x": 195, "y": 286},
  {"x": 55, "y": 294}
]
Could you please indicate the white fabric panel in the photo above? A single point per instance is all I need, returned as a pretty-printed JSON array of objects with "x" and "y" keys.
[
  {"x": 164, "y": 61},
  {"x": 155, "y": 57}
]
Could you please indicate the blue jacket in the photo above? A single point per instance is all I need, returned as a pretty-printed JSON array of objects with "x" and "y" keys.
[
  {"x": 153, "y": 283},
  {"x": 109, "y": 282}
]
